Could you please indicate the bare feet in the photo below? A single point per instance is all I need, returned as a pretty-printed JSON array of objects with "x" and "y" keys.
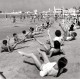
[{"x": 22, "y": 53}]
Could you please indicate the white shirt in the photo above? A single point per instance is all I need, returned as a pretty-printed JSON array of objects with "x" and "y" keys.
[
  {"x": 60, "y": 39},
  {"x": 48, "y": 69},
  {"x": 69, "y": 38}
]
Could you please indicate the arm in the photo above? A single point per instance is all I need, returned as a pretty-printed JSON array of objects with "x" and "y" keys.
[
  {"x": 61, "y": 27},
  {"x": 50, "y": 38},
  {"x": 8, "y": 44},
  {"x": 65, "y": 32},
  {"x": 41, "y": 44}
]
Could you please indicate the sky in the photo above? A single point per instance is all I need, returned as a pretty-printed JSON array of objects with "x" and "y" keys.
[{"x": 25, "y": 5}]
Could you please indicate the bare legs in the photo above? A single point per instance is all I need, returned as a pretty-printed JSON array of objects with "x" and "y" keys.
[
  {"x": 31, "y": 55},
  {"x": 45, "y": 58},
  {"x": 36, "y": 60}
]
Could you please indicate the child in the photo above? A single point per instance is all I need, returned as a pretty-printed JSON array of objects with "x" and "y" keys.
[
  {"x": 68, "y": 36},
  {"x": 25, "y": 36},
  {"x": 47, "y": 68},
  {"x": 59, "y": 37},
  {"x": 16, "y": 38},
  {"x": 6, "y": 47}
]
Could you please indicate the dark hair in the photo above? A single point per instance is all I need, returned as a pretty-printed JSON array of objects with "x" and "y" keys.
[
  {"x": 31, "y": 29},
  {"x": 42, "y": 23},
  {"x": 74, "y": 34},
  {"x": 71, "y": 28},
  {"x": 4, "y": 41},
  {"x": 56, "y": 44},
  {"x": 58, "y": 33},
  {"x": 14, "y": 34},
  {"x": 24, "y": 32},
  {"x": 62, "y": 62}
]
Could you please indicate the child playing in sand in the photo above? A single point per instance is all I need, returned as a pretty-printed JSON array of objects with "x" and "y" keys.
[
  {"x": 6, "y": 47},
  {"x": 47, "y": 68}
]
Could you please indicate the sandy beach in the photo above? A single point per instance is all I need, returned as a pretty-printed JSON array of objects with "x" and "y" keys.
[{"x": 15, "y": 66}]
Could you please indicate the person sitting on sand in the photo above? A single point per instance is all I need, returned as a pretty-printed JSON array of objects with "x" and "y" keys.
[
  {"x": 6, "y": 47},
  {"x": 47, "y": 24},
  {"x": 41, "y": 27},
  {"x": 59, "y": 37},
  {"x": 72, "y": 27},
  {"x": 47, "y": 68},
  {"x": 31, "y": 33},
  {"x": 68, "y": 36},
  {"x": 54, "y": 49},
  {"x": 16, "y": 38}
]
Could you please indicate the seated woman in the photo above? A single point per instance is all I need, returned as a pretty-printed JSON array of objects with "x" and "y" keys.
[
  {"x": 54, "y": 49},
  {"x": 68, "y": 34},
  {"x": 72, "y": 27},
  {"x": 47, "y": 68},
  {"x": 6, "y": 47}
]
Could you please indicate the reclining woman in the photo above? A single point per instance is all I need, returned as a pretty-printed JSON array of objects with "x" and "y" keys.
[{"x": 47, "y": 68}]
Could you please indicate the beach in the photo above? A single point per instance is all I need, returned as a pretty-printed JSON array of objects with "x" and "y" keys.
[{"x": 15, "y": 66}]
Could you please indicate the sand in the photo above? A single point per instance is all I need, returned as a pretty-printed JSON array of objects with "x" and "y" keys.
[{"x": 15, "y": 66}]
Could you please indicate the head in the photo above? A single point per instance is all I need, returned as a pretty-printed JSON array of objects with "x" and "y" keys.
[
  {"x": 74, "y": 34},
  {"x": 14, "y": 34},
  {"x": 56, "y": 44},
  {"x": 24, "y": 32},
  {"x": 4, "y": 42},
  {"x": 48, "y": 42},
  {"x": 58, "y": 33},
  {"x": 62, "y": 62},
  {"x": 43, "y": 24},
  {"x": 31, "y": 29}
]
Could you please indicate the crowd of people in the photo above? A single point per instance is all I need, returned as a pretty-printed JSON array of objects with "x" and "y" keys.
[{"x": 46, "y": 68}]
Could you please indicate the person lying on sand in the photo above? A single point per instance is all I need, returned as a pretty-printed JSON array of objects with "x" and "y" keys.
[
  {"x": 54, "y": 49},
  {"x": 6, "y": 47},
  {"x": 47, "y": 68}
]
